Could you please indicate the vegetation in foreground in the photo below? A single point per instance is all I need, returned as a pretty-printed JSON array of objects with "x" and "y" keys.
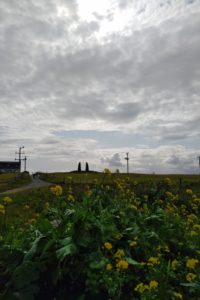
[{"x": 116, "y": 239}]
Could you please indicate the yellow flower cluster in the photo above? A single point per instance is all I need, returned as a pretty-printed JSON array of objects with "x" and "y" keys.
[
  {"x": 192, "y": 218},
  {"x": 70, "y": 198},
  {"x": 141, "y": 287},
  {"x": 118, "y": 236},
  {"x": 122, "y": 264},
  {"x": 7, "y": 200},
  {"x": 108, "y": 267},
  {"x": 192, "y": 263},
  {"x": 120, "y": 253},
  {"x": 189, "y": 192},
  {"x": 153, "y": 284},
  {"x": 174, "y": 264},
  {"x": 196, "y": 227},
  {"x": 108, "y": 246},
  {"x": 190, "y": 277},
  {"x": 56, "y": 190},
  {"x": 153, "y": 261},
  {"x": 133, "y": 243},
  {"x": 2, "y": 209}
]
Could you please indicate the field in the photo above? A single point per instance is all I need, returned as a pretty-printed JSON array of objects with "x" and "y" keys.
[
  {"x": 13, "y": 180},
  {"x": 102, "y": 236}
]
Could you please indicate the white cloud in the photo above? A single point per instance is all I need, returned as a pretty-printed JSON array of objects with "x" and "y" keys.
[{"x": 59, "y": 71}]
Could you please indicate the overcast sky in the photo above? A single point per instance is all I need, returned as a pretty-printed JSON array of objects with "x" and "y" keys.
[{"x": 89, "y": 80}]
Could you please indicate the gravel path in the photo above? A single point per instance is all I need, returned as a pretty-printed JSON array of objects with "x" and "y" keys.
[{"x": 36, "y": 183}]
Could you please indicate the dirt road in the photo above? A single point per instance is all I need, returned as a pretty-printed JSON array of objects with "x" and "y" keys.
[{"x": 36, "y": 183}]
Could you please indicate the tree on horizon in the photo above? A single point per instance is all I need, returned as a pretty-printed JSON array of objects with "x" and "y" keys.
[
  {"x": 79, "y": 167},
  {"x": 86, "y": 167}
]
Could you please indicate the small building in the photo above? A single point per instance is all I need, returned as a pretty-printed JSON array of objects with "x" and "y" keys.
[{"x": 9, "y": 166}]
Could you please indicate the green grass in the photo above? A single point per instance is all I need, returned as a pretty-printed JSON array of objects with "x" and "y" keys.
[
  {"x": 13, "y": 180},
  {"x": 58, "y": 177},
  {"x": 186, "y": 181}
]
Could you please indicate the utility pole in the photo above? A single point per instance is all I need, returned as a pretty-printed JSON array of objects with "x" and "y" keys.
[
  {"x": 25, "y": 159},
  {"x": 127, "y": 161},
  {"x": 19, "y": 159},
  {"x": 199, "y": 163}
]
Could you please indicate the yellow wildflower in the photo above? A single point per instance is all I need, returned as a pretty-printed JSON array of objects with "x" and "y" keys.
[
  {"x": 153, "y": 284},
  {"x": 178, "y": 295},
  {"x": 197, "y": 200},
  {"x": 118, "y": 236},
  {"x": 174, "y": 264},
  {"x": 153, "y": 261},
  {"x": 133, "y": 243},
  {"x": 189, "y": 192},
  {"x": 70, "y": 197},
  {"x": 108, "y": 267},
  {"x": 7, "y": 200},
  {"x": 190, "y": 277},
  {"x": 191, "y": 218},
  {"x": 119, "y": 253},
  {"x": 191, "y": 263},
  {"x": 108, "y": 246},
  {"x": 56, "y": 190},
  {"x": 141, "y": 288},
  {"x": 2, "y": 209},
  {"x": 196, "y": 227},
  {"x": 122, "y": 264}
]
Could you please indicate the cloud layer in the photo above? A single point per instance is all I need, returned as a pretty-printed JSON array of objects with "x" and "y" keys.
[{"x": 70, "y": 74}]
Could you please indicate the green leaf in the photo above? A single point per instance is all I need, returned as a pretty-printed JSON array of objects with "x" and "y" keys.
[
  {"x": 132, "y": 261},
  {"x": 98, "y": 264},
  {"x": 32, "y": 251},
  {"x": 152, "y": 218},
  {"x": 66, "y": 241},
  {"x": 69, "y": 212},
  {"x": 66, "y": 250},
  {"x": 191, "y": 284}
]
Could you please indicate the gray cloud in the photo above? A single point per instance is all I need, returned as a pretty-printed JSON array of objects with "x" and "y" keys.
[{"x": 57, "y": 72}]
